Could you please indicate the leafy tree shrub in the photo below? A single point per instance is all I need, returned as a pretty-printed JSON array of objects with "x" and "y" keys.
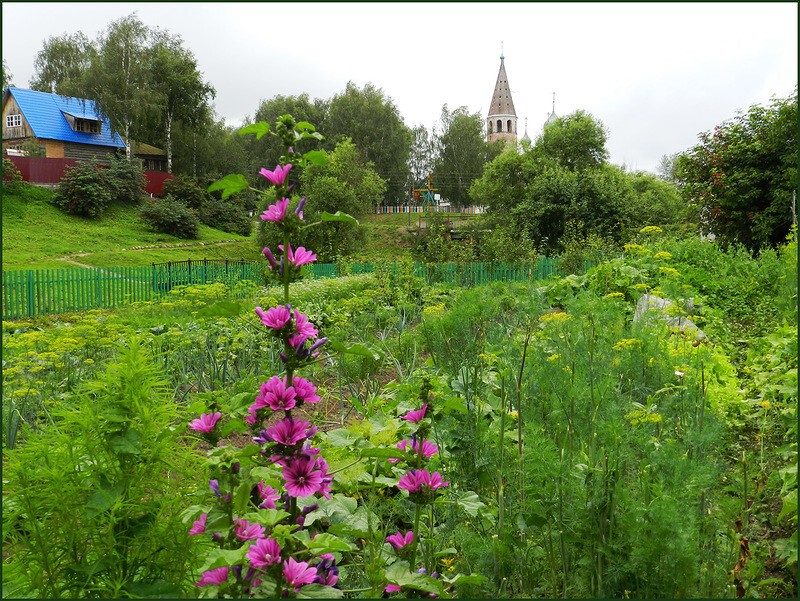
[
  {"x": 227, "y": 215},
  {"x": 186, "y": 191},
  {"x": 11, "y": 175},
  {"x": 83, "y": 190},
  {"x": 742, "y": 174},
  {"x": 170, "y": 216},
  {"x": 125, "y": 180}
]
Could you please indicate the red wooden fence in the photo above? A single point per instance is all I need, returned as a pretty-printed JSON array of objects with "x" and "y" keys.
[{"x": 40, "y": 170}]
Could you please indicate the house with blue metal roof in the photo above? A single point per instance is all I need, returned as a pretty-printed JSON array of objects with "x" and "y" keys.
[{"x": 63, "y": 127}]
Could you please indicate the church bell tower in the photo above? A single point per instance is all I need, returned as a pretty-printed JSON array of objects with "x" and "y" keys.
[{"x": 501, "y": 123}]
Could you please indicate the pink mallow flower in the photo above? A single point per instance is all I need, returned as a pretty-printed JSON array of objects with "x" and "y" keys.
[
  {"x": 265, "y": 552},
  {"x": 417, "y": 480},
  {"x": 289, "y": 432},
  {"x": 304, "y": 330},
  {"x": 278, "y": 176},
  {"x": 268, "y": 495},
  {"x": 416, "y": 416},
  {"x": 399, "y": 540},
  {"x": 246, "y": 531},
  {"x": 297, "y": 573},
  {"x": 215, "y": 577},
  {"x": 276, "y": 212},
  {"x": 299, "y": 257},
  {"x": 276, "y": 394},
  {"x": 429, "y": 449},
  {"x": 205, "y": 423},
  {"x": 274, "y": 317},
  {"x": 304, "y": 390},
  {"x": 301, "y": 477},
  {"x": 392, "y": 588},
  {"x": 199, "y": 526}
]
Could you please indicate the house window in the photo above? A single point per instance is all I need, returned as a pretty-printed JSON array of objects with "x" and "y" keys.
[
  {"x": 13, "y": 120},
  {"x": 87, "y": 126}
]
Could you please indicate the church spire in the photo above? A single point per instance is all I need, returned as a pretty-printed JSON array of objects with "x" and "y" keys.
[{"x": 501, "y": 121}]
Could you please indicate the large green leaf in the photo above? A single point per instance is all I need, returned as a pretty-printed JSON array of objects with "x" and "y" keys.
[
  {"x": 229, "y": 185},
  {"x": 469, "y": 502},
  {"x": 316, "y": 157},
  {"x": 260, "y": 130},
  {"x": 359, "y": 348},
  {"x": 328, "y": 543},
  {"x": 218, "y": 558},
  {"x": 383, "y": 453},
  {"x": 398, "y": 573},
  {"x": 304, "y": 126},
  {"x": 318, "y": 591},
  {"x": 338, "y": 216}
]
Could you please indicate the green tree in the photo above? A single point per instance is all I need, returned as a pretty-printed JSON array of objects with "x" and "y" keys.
[
  {"x": 462, "y": 153},
  {"x": 421, "y": 156},
  {"x": 742, "y": 174},
  {"x": 345, "y": 183},
  {"x": 178, "y": 83},
  {"x": 267, "y": 151},
  {"x": 7, "y": 76},
  {"x": 656, "y": 202},
  {"x": 577, "y": 141},
  {"x": 373, "y": 123},
  {"x": 119, "y": 76},
  {"x": 62, "y": 64}
]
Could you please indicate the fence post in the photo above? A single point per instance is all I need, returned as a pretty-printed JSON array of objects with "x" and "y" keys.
[
  {"x": 31, "y": 293},
  {"x": 189, "y": 271}
]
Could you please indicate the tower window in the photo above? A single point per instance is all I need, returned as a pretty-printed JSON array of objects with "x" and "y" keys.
[
  {"x": 508, "y": 129},
  {"x": 490, "y": 127},
  {"x": 499, "y": 126}
]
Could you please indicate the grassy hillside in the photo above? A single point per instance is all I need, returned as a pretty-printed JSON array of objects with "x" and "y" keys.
[{"x": 37, "y": 235}]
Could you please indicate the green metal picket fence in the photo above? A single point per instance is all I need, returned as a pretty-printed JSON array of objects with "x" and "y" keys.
[
  {"x": 54, "y": 291},
  {"x": 469, "y": 274}
]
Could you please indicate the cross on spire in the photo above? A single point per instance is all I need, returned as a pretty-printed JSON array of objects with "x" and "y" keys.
[{"x": 501, "y": 52}]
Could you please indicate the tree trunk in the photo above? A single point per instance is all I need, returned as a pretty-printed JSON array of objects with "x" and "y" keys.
[{"x": 169, "y": 142}]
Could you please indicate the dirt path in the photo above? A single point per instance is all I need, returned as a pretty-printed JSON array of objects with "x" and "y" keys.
[{"x": 69, "y": 258}]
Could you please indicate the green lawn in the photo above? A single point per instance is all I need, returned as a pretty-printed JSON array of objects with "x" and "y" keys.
[{"x": 36, "y": 234}]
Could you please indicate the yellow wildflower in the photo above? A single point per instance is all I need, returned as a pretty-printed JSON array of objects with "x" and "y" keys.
[
  {"x": 559, "y": 316},
  {"x": 650, "y": 229},
  {"x": 662, "y": 256},
  {"x": 670, "y": 271},
  {"x": 614, "y": 295},
  {"x": 627, "y": 343}
]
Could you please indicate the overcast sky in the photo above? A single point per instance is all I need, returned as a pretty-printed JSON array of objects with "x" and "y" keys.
[{"x": 656, "y": 75}]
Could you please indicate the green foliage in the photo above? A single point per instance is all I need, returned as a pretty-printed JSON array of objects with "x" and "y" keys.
[
  {"x": 12, "y": 178},
  {"x": 7, "y": 76},
  {"x": 170, "y": 216},
  {"x": 462, "y": 152},
  {"x": 345, "y": 183},
  {"x": 226, "y": 214},
  {"x": 62, "y": 64},
  {"x": 267, "y": 149},
  {"x": 83, "y": 190},
  {"x": 741, "y": 176},
  {"x": 373, "y": 123},
  {"x": 92, "y": 505},
  {"x": 125, "y": 180},
  {"x": 564, "y": 178},
  {"x": 576, "y": 141}
]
